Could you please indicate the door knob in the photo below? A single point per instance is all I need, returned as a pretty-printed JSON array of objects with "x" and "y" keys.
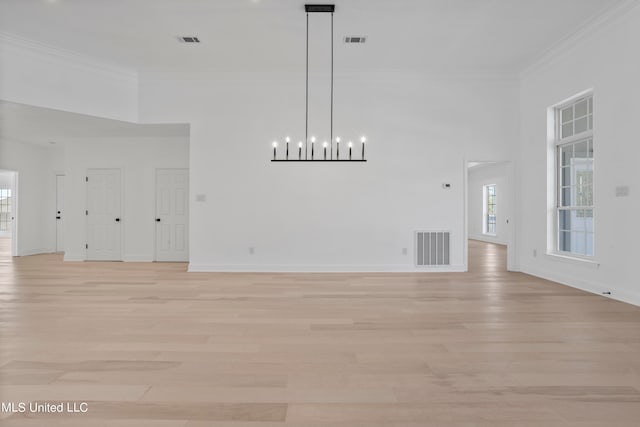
[
  {"x": 157, "y": 219},
  {"x": 117, "y": 219}
]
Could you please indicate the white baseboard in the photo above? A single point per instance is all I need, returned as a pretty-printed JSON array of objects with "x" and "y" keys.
[
  {"x": 126, "y": 258},
  {"x": 584, "y": 285},
  {"x": 385, "y": 268}
]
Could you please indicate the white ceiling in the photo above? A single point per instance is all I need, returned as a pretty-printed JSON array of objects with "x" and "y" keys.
[
  {"x": 43, "y": 125},
  {"x": 443, "y": 35}
]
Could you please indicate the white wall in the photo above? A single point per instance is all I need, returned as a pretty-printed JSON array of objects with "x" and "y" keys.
[
  {"x": 605, "y": 61},
  {"x": 39, "y": 75},
  {"x": 6, "y": 179},
  {"x": 137, "y": 158},
  {"x": 32, "y": 162},
  {"x": 322, "y": 217},
  {"x": 479, "y": 176}
]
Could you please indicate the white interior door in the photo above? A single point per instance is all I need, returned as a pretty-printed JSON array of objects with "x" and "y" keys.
[
  {"x": 103, "y": 215},
  {"x": 172, "y": 214},
  {"x": 59, "y": 213}
]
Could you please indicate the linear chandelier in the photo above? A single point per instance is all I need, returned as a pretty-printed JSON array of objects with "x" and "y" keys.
[{"x": 310, "y": 155}]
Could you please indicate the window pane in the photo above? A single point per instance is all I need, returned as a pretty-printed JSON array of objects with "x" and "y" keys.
[
  {"x": 491, "y": 225},
  {"x": 567, "y": 114},
  {"x": 565, "y": 220},
  {"x": 565, "y": 177},
  {"x": 567, "y": 130},
  {"x": 581, "y": 109},
  {"x": 567, "y": 154},
  {"x": 566, "y": 196},
  {"x": 581, "y": 149},
  {"x": 590, "y": 122},
  {"x": 589, "y": 244},
  {"x": 579, "y": 243},
  {"x": 588, "y": 220},
  {"x": 577, "y": 220},
  {"x": 590, "y": 105},
  {"x": 585, "y": 196},
  {"x": 490, "y": 209},
  {"x": 581, "y": 125},
  {"x": 564, "y": 243}
]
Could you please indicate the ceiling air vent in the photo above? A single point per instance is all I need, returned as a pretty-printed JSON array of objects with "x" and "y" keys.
[
  {"x": 189, "y": 39},
  {"x": 355, "y": 39}
]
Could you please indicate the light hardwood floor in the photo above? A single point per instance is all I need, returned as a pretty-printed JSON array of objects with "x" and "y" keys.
[
  {"x": 151, "y": 345},
  {"x": 5, "y": 249}
]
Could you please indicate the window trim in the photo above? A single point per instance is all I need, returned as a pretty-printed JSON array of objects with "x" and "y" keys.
[{"x": 558, "y": 142}]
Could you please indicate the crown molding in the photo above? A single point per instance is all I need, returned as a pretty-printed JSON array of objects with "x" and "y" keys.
[
  {"x": 589, "y": 29},
  {"x": 50, "y": 51}
]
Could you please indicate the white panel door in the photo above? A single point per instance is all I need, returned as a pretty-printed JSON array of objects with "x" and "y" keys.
[
  {"x": 172, "y": 214},
  {"x": 59, "y": 213},
  {"x": 103, "y": 215}
]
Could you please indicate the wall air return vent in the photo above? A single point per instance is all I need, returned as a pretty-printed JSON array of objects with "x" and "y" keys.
[
  {"x": 355, "y": 39},
  {"x": 433, "y": 248},
  {"x": 189, "y": 39}
]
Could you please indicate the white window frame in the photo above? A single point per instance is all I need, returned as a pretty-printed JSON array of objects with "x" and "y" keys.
[
  {"x": 485, "y": 210},
  {"x": 558, "y": 143}
]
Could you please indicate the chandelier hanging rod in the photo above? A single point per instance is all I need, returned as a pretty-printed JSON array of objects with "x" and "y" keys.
[{"x": 318, "y": 8}]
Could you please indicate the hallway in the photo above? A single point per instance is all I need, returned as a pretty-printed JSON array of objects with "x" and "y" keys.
[{"x": 487, "y": 257}]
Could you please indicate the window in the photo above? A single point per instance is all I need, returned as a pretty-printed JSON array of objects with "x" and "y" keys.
[
  {"x": 574, "y": 177},
  {"x": 489, "y": 211},
  {"x": 5, "y": 209}
]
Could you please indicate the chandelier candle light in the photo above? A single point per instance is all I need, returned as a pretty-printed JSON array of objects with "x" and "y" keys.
[{"x": 318, "y": 8}]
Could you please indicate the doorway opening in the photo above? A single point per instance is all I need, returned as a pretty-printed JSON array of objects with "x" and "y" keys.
[
  {"x": 8, "y": 215},
  {"x": 489, "y": 212}
]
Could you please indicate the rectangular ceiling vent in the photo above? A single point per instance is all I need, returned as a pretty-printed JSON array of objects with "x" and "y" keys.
[
  {"x": 433, "y": 248},
  {"x": 355, "y": 39},
  {"x": 189, "y": 39}
]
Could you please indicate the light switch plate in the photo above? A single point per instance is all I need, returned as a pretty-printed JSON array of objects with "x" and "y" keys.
[{"x": 622, "y": 191}]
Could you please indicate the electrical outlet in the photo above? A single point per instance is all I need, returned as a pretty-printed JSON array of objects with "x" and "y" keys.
[
  {"x": 404, "y": 251},
  {"x": 252, "y": 250}
]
